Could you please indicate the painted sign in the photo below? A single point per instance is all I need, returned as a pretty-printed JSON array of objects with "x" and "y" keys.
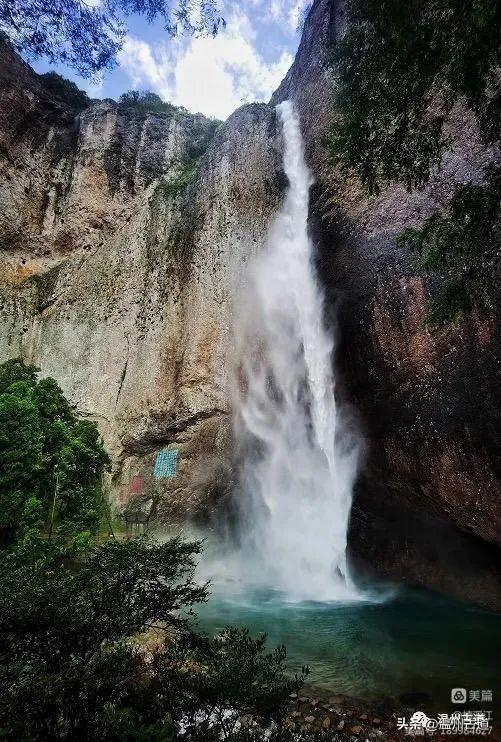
[
  {"x": 137, "y": 485},
  {"x": 166, "y": 464}
]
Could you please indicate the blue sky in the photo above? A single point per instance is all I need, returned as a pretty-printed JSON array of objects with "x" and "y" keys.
[{"x": 243, "y": 63}]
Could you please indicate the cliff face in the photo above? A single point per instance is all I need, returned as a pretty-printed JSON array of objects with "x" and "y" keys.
[
  {"x": 427, "y": 507},
  {"x": 120, "y": 281}
]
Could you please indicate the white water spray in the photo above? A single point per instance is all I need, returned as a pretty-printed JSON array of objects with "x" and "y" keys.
[{"x": 299, "y": 466}]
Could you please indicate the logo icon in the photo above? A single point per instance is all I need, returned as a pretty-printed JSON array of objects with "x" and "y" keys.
[{"x": 458, "y": 695}]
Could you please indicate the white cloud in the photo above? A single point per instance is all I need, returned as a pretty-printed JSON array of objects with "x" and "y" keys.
[
  {"x": 287, "y": 13},
  {"x": 94, "y": 86},
  {"x": 295, "y": 13},
  {"x": 143, "y": 67},
  {"x": 211, "y": 75}
]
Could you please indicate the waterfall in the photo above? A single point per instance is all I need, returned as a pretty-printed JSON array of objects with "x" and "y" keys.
[{"x": 299, "y": 463}]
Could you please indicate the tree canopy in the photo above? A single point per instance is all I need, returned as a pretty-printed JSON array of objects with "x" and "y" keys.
[
  {"x": 66, "y": 90},
  {"x": 51, "y": 462},
  {"x": 145, "y": 100},
  {"x": 87, "y": 37}
]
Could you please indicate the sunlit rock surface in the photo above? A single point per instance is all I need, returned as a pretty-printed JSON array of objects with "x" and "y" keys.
[{"x": 121, "y": 285}]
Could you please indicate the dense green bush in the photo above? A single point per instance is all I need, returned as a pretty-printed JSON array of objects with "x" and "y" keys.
[
  {"x": 70, "y": 669},
  {"x": 74, "y": 665},
  {"x": 51, "y": 462},
  {"x": 146, "y": 101}
]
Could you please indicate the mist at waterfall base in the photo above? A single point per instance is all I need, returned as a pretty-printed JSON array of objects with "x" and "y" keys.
[{"x": 286, "y": 573}]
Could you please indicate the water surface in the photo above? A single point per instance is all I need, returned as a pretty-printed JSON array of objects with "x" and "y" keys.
[{"x": 413, "y": 642}]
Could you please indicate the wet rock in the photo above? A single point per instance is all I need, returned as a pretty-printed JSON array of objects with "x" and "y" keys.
[
  {"x": 446, "y": 529},
  {"x": 356, "y": 729},
  {"x": 340, "y": 726},
  {"x": 309, "y": 719}
]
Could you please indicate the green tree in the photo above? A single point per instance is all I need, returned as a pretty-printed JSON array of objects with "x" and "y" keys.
[
  {"x": 69, "y": 662},
  {"x": 66, "y": 90},
  {"x": 73, "y": 665},
  {"x": 400, "y": 68},
  {"x": 87, "y": 37},
  {"x": 145, "y": 100},
  {"x": 232, "y": 677},
  {"x": 51, "y": 463},
  {"x": 21, "y": 446}
]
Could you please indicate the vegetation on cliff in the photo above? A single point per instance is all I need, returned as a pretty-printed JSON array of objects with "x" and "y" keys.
[
  {"x": 171, "y": 189},
  {"x": 74, "y": 603},
  {"x": 400, "y": 70},
  {"x": 463, "y": 241},
  {"x": 51, "y": 462},
  {"x": 145, "y": 101},
  {"x": 66, "y": 90}
]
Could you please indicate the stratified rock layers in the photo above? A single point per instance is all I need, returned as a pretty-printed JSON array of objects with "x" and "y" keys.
[{"x": 121, "y": 283}]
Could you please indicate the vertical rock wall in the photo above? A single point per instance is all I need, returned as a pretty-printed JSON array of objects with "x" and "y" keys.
[
  {"x": 120, "y": 283},
  {"x": 427, "y": 507}
]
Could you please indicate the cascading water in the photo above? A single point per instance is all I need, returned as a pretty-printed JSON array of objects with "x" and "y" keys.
[
  {"x": 299, "y": 465},
  {"x": 288, "y": 575}
]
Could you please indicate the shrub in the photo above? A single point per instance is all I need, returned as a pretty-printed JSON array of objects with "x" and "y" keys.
[
  {"x": 145, "y": 100},
  {"x": 462, "y": 240},
  {"x": 400, "y": 68}
]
